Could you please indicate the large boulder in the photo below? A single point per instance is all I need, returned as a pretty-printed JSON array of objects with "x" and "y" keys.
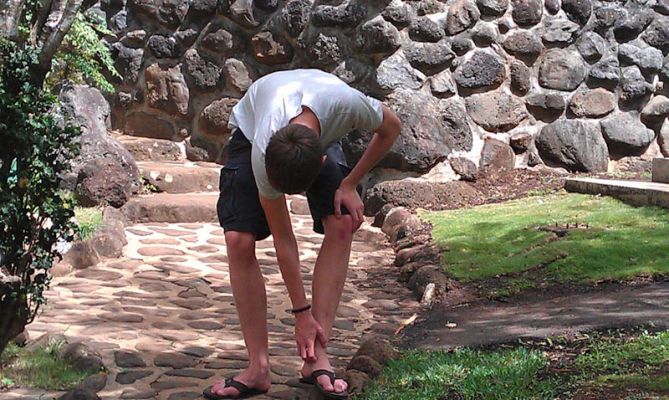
[
  {"x": 496, "y": 111},
  {"x": 461, "y": 15},
  {"x": 423, "y": 142},
  {"x": 592, "y": 103},
  {"x": 527, "y": 12},
  {"x": 496, "y": 157},
  {"x": 166, "y": 89},
  {"x": 626, "y": 134},
  {"x": 562, "y": 70},
  {"x": 576, "y": 145},
  {"x": 483, "y": 70},
  {"x": 104, "y": 171},
  {"x": 214, "y": 118}
]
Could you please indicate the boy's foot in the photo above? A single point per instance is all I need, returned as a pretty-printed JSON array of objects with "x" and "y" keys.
[
  {"x": 252, "y": 380},
  {"x": 340, "y": 385}
]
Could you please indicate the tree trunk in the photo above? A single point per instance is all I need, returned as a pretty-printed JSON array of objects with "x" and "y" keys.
[{"x": 10, "y": 16}]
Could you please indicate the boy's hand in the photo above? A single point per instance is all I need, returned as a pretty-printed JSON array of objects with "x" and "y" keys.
[
  {"x": 348, "y": 197},
  {"x": 307, "y": 331}
]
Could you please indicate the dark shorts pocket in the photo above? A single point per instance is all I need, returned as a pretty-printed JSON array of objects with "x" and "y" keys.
[{"x": 226, "y": 201}]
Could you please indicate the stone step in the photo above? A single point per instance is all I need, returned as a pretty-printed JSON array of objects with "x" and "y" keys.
[
  {"x": 661, "y": 170},
  {"x": 172, "y": 208},
  {"x": 147, "y": 149},
  {"x": 632, "y": 192},
  {"x": 175, "y": 177}
]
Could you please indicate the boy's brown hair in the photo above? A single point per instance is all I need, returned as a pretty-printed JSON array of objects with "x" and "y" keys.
[{"x": 293, "y": 158}]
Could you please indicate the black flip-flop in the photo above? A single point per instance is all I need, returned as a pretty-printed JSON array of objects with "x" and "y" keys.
[
  {"x": 313, "y": 380},
  {"x": 244, "y": 391}
]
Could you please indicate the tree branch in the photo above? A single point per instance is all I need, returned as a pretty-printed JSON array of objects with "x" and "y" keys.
[{"x": 40, "y": 20}]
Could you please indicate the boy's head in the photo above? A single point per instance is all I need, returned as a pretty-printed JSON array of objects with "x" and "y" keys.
[{"x": 293, "y": 158}]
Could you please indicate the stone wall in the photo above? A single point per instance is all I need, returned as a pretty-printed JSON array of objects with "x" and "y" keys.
[{"x": 571, "y": 83}]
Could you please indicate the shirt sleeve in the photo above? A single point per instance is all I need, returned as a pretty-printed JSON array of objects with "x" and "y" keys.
[
  {"x": 368, "y": 111},
  {"x": 260, "y": 174}
]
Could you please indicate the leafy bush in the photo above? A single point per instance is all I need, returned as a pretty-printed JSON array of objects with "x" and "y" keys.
[
  {"x": 83, "y": 57},
  {"x": 35, "y": 214}
]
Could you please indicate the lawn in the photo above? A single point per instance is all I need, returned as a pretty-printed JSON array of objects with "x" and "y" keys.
[
  {"x": 553, "y": 239},
  {"x": 611, "y": 365}
]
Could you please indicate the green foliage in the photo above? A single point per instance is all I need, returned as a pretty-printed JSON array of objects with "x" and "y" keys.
[
  {"x": 611, "y": 240},
  {"x": 83, "y": 57},
  {"x": 465, "y": 374},
  {"x": 34, "y": 213},
  {"x": 42, "y": 368},
  {"x": 89, "y": 220}
]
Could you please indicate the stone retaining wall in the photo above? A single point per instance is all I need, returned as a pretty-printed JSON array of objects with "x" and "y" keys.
[{"x": 571, "y": 83}]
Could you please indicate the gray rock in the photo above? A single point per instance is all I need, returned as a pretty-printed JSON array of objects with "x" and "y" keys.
[
  {"x": 109, "y": 240},
  {"x": 134, "y": 38},
  {"x": 462, "y": 14},
  {"x": 633, "y": 86},
  {"x": 527, "y": 12},
  {"x": 82, "y": 357},
  {"x": 220, "y": 41},
  {"x": 271, "y": 49},
  {"x": 625, "y": 134},
  {"x": 592, "y": 103},
  {"x": 166, "y": 89},
  {"x": 606, "y": 71},
  {"x": 521, "y": 142},
  {"x": 493, "y": 8},
  {"x": 656, "y": 110},
  {"x": 442, "y": 85},
  {"x": 552, "y": 6},
  {"x": 352, "y": 71},
  {"x": 464, "y": 167},
  {"x": 424, "y": 29},
  {"x": 203, "y": 7},
  {"x": 119, "y": 22},
  {"x": 559, "y": 31},
  {"x": 657, "y": 34},
  {"x": 128, "y": 359},
  {"x": 578, "y": 10},
  {"x": 661, "y": 6},
  {"x": 236, "y": 75},
  {"x": 523, "y": 43},
  {"x": 482, "y": 71},
  {"x": 267, "y": 5},
  {"x": 295, "y": 16},
  {"x": 591, "y": 46},
  {"x": 455, "y": 124},
  {"x": 605, "y": 17},
  {"x": 169, "y": 13},
  {"x": 377, "y": 36},
  {"x": 103, "y": 180},
  {"x": 497, "y": 157},
  {"x": 484, "y": 34},
  {"x": 561, "y": 70},
  {"x": 425, "y": 7},
  {"x": 462, "y": 45},
  {"x": 321, "y": 49},
  {"x": 395, "y": 72},
  {"x": 204, "y": 73},
  {"x": 664, "y": 73},
  {"x": 576, "y": 145},
  {"x": 429, "y": 58},
  {"x": 174, "y": 360},
  {"x": 347, "y": 16},
  {"x": 94, "y": 383},
  {"x": 214, "y": 118},
  {"x": 163, "y": 47},
  {"x": 520, "y": 78},
  {"x": 629, "y": 28},
  {"x": 186, "y": 37},
  {"x": 127, "y": 61},
  {"x": 398, "y": 13},
  {"x": 663, "y": 138},
  {"x": 545, "y": 106},
  {"x": 649, "y": 59},
  {"x": 144, "y": 124},
  {"x": 496, "y": 111}
]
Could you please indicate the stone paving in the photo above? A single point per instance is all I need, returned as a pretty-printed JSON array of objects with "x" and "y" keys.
[{"x": 164, "y": 321}]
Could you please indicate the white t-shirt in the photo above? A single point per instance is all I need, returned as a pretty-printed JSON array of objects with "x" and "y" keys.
[{"x": 273, "y": 100}]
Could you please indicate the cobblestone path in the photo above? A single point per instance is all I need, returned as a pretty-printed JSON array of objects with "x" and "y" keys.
[{"x": 163, "y": 317}]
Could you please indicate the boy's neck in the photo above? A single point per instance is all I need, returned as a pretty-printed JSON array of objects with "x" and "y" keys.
[{"x": 308, "y": 119}]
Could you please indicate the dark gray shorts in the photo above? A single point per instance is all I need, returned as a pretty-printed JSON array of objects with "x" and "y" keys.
[{"x": 239, "y": 206}]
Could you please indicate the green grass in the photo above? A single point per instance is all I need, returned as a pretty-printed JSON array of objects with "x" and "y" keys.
[
  {"x": 620, "y": 241},
  {"x": 465, "y": 374},
  {"x": 88, "y": 220},
  {"x": 42, "y": 368}
]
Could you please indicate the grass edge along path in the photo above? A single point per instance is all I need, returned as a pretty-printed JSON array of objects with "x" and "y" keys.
[
  {"x": 552, "y": 239},
  {"x": 618, "y": 362}
]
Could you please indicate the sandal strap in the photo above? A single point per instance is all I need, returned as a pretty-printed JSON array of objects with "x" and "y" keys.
[
  {"x": 241, "y": 388},
  {"x": 319, "y": 372}
]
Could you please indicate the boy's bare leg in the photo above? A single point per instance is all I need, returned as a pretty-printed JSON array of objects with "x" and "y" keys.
[
  {"x": 248, "y": 289},
  {"x": 328, "y": 284}
]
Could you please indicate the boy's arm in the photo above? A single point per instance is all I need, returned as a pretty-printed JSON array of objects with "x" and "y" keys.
[
  {"x": 307, "y": 329},
  {"x": 382, "y": 140}
]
